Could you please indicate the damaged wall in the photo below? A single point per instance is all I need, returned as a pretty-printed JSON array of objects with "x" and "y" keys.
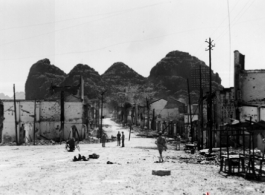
[
  {"x": 47, "y": 119},
  {"x": 250, "y": 94},
  {"x": 164, "y": 112},
  {"x": 256, "y": 113},
  {"x": 252, "y": 87},
  {"x": 225, "y": 107}
]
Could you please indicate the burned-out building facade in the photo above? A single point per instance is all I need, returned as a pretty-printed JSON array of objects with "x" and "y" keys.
[
  {"x": 50, "y": 119},
  {"x": 250, "y": 91}
]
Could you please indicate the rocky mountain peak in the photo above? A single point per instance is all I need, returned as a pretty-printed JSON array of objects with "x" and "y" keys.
[
  {"x": 120, "y": 72},
  {"x": 171, "y": 73},
  {"x": 45, "y": 66},
  {"x": 121, "y": 69},
  {"x": 40, "y": 77}
]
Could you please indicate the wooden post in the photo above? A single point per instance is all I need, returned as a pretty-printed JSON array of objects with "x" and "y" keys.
[
  {"x": 34, "y": 124},
  {"x": 130, "y": 131},
  {"x": 98, "y": 118},
  {"x": 15, "y": 110},
  {"x": 62, "y": 113},
  {"x": 210, "y": 46},
  {"x": 101, "y": 115},
  {"x": 191, "y": 129},
  {"x": 148, "y": 117},
  {"x": 154, "y": 120},
  {"x": 201, "y": 111}
]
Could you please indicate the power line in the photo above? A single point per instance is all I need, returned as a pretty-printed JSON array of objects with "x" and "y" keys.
[
  {"x": 229, "y": 41},
  {"x": 79, "y": 24},
  {"x": 243, "y": 10},
  {"x": 76, "y": 18},
  {"x": 216, "y": 28},
  {"x": 225, "y": 18},
  {"x": 229, "y": 28},
  {"x": 115, "y": 44}
]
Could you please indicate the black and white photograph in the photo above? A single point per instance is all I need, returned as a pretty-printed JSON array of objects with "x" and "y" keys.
[{"x": 137, "y": 97}]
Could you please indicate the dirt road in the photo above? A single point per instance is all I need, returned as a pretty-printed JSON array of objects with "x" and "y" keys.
[{"x": 50, "y": 170}]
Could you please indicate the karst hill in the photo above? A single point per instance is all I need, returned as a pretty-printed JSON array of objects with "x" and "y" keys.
[{"x": 167, "y": 78}]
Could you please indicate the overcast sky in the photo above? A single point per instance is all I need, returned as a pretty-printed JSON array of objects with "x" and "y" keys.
[{"x": 136, "y": 32}]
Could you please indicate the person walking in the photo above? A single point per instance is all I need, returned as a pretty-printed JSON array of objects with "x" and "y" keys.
[
  {"x": 161, "y": 145},
  {"x": 122, "y": 139},
  {"x": 118, "y": 139},
  {"x": 103, "y": 139}
]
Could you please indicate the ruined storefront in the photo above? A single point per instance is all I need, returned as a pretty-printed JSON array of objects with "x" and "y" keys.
[
  {"x": 48, "y": 120},
  {"x": 249, "y": 95}
]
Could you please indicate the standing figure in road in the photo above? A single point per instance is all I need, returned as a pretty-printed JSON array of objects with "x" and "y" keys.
[
  {"x": 161, "y": 145},
  {"x": 118, "y": 139},
  {"x": 122, "y": 139},
  {"x": 178, "y": 139},
  {"x": 103, "y": 139}
]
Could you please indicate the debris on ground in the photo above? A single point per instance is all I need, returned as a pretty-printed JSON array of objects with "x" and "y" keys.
[
  {"x": 110, "y": 163},
  {"x": 80, "y": 158},
  {"x": 161, "y": 172},
  {"x": 93, "y": 156},
  {"x": 196, "y": 158},
  {"x": 89, "y": 140}
]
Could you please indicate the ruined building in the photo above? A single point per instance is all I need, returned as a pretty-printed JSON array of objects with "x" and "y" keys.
[{"x": 52, "y": 119}]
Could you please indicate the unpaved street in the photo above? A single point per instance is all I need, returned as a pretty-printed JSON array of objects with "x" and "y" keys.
[{"x": 50, "y": 170}]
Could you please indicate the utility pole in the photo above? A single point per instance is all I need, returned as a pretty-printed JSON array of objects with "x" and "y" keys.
[
  {"x": 34, "y": 125},
  {"x": 148, "y": 109},
  {"x": 101, "y": 116},
  {"x": 130, "y": 131},
  {"x": 54, "y": 89},
  {"x": 15, "y": 110},
  {"x": 200, "y": 139},
  {"x": 62, "y": 114},
  {"x": 210, "y": 47},
  {"x": 191, "y": 129},
  {"x": 98, "y": 125}
]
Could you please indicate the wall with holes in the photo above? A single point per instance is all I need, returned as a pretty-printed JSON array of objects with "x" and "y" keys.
[
  {"x": 252, "y": 86},
  {"x": 47, "y": 126},
  {"x": 256, "y": 114}
]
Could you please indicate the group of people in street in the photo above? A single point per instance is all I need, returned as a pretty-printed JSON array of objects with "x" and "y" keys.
[
  {"x": 120, "y": 139},
  {"x": 160, "y": 142}
]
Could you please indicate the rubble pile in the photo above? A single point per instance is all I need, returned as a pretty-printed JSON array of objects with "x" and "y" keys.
[
  {"x": 148, "y": 133},
  {"x": 201, "y": 159},
  {"x": 37, "y": 142},
  {"x": 50, "y": 142}
]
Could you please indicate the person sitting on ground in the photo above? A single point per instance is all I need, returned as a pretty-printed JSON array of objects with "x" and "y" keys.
[
  {"x": 70, "y": 145},
  {"x": 161, "y": 145}
]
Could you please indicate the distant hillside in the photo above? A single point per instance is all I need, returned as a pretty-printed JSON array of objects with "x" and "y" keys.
[
  {"x": 3, "y": 96},
  {"x": 19, "y": 95},
  {"x": 120, "y": 76},
  {"x": 167, "y": 78},
  {"x": 92, "y": 80},
  {"x": 170, "y": 75},
  {"x": 40, "y": 77}
]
